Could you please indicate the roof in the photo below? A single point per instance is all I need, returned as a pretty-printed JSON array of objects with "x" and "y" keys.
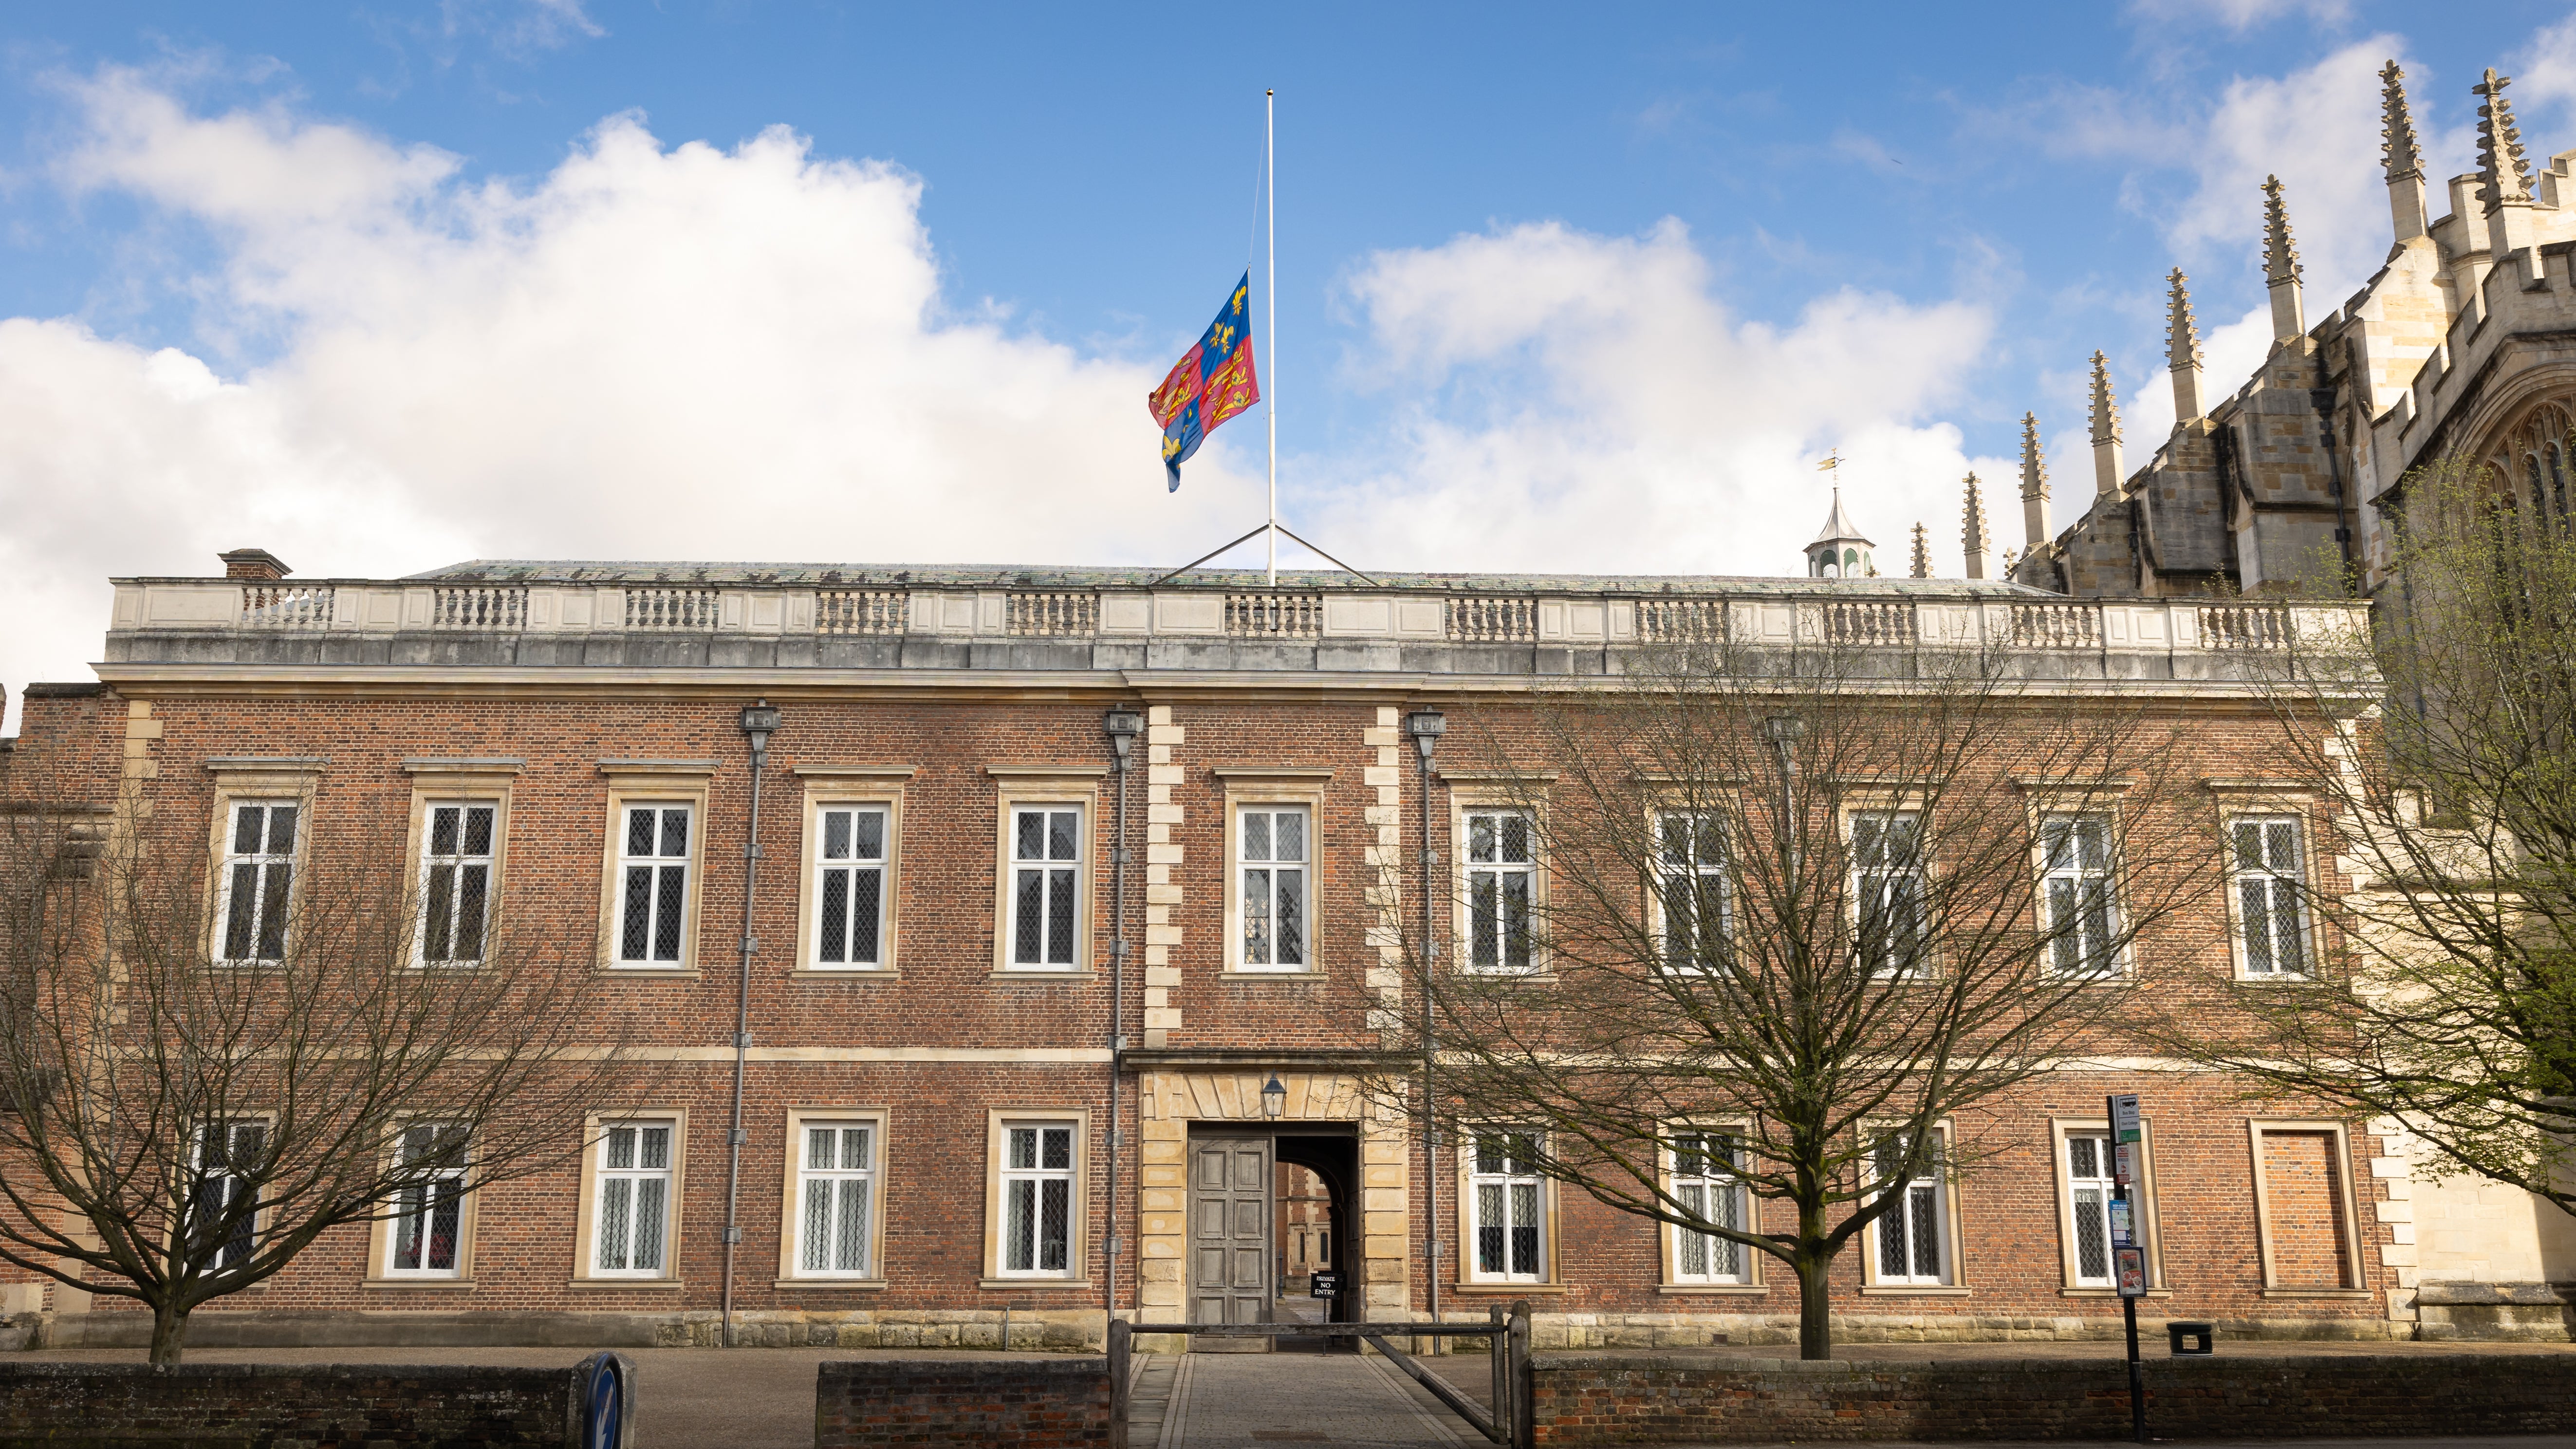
[
  {"x": 1050, "y": 576},
  {"x": 1838, "y": 528}
]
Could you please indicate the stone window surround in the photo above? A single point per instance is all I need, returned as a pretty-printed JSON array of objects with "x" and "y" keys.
[
  {"x": 829, "y": 785},
  {"x": 2043, "y": 802},
  {"x": 1953, "y": 1260},
  {"x": 1670, "y": 1236},
  {"x": 594, "y": 1131},
  {"x": 1077, "y": 1248},
  {"x": 791, "y": 1200},
  {"x": 241, "y": 779},
  {"x": 2142, "y": 1206},
  {"x": 1551, "y": 1277},
  {"x": 1019, "y": 786},
  {"x": 453, "y": 781},
  {"x": 380, "y": 1233},
  {"x": 1849, "y": 804},
  {"x": 2240, "y": 802},
  {"x": 267, "y": 1121},
  {"x": 643, "y": 782},
  {"x": 1480, "y": 792},
  {"x": 1257, "y": 785},
  {"x": 2339, "y": 1134},
  {"x": 1669, "y": 798}
]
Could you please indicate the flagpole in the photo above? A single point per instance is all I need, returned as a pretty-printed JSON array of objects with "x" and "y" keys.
[{"x": 1270, "y": 295}]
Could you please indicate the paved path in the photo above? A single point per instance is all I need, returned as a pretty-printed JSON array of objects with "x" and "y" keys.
[{"x": 1232, "y": 1400}]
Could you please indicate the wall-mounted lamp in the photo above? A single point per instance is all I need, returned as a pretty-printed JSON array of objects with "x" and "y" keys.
[
  {"x": 1425, "y": 725},
  {"x": 759, "y": 721},
  {"x": 1274, "y": 1098},
  {"x": 1122, "y": 726}
]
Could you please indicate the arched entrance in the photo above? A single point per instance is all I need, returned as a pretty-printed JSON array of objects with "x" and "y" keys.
[
  {"x": 1330, "y": 1162},
  {"x": 1238, "y": 1228}
]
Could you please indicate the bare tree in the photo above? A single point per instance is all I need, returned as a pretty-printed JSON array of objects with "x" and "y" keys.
[
  {"x": 1791, "y": 918},
  {"x": 2441, "y": 987},
  {"x": 199, "y": 1077}
]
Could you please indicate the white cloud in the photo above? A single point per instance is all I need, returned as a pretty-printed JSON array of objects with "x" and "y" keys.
[
  {"x": 649, "y": 352},
  {"x": 1603, "y": 409},
  {"x": 2546, "y": 80},
  {"x": 689, "y": 352},
  {"x": 2318, "y": 130}
]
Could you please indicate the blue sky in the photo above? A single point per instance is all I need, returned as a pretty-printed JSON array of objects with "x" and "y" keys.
[{"x": 381, "y": 285}]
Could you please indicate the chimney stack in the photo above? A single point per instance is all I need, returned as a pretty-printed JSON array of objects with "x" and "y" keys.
[
  {"x": 2281, "y": 266},
  {"x": 2107, "y": 472},
  {"x": 253, "y": 563},
  {"x": 2403, "y": 159}
]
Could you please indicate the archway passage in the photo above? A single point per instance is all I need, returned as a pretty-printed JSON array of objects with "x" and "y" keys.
[{"x": 1316, "y": 1211}]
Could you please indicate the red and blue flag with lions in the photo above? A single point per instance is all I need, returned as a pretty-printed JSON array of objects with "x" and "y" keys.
[{"x": 1211, "y": 383}]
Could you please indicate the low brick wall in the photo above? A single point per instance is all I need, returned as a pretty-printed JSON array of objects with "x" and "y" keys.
[
  {"x": 246, "y": 1406},
  {"x": 1667, "y": 1399},
  {"x": 924, "y": 1402}
]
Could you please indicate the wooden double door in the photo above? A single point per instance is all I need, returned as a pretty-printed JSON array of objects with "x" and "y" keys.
[{"x": 1230, "y": 1231}]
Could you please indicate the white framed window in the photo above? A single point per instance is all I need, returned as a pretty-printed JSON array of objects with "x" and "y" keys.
[
  {"x": 2265, "y": 853},
  {"x": 1506, "y": 1201},
  {"x": 836, "y": 1185},
  {"x": 2077, "y": 894},
  {"x": 426, "y": 1237},
  {"x": 1046, "y": 887},
  {"x": 1690, "y": 855},
  {"x": 1913, "y": 1236},
  {"x": 1706, "y": 1183},
  {"x": 258, "y": 879},
  {"x": 850, "y": 886},
  {"x": 228, "y": 1158},
  {"x": 456, "y": 881},
  {"x": 631, "y": 1215},
  {"x": 653, "y": 883},
  {"x": 2089, "y": 1189},
  {"x": 1887, "y": 892},
  {"x": 1037, "y": 1190},
  {"x": 1501, "y": 865},
  {"x": 1273, "y": 845}
]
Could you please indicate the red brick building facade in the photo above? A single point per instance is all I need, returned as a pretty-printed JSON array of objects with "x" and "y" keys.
[{"x": 1005, "y": 1062}]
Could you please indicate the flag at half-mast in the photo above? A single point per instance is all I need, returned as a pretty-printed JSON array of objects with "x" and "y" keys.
[{"x": 1211, "y": 383}]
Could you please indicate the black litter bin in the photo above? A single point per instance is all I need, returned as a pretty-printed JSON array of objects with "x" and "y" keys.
[{"x": 2192, "y": 1340}]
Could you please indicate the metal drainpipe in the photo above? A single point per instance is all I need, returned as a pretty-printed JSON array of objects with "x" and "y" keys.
[
  {"x": 1430, "y": 1104},
  {"x": 757, "y": 722},
  {"x": 1122, "y": 727}
]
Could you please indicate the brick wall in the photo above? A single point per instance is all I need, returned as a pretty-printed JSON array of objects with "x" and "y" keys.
[
  {"x": 320, "y": 1405},
  {"x": 1011, "y": 1403},
  {"x": 1605, "y": 1399},
  {"x": 943, "y": 1039}
]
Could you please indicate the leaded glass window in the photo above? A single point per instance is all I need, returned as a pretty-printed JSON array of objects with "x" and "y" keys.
[
  {"x": 1275, "y": 855},
  {"x": 850, "y": 886},
  {"x": 653, "y": 884}
]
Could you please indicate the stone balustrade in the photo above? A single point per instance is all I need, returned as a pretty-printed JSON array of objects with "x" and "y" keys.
[{"x": 1550, "y": 627}]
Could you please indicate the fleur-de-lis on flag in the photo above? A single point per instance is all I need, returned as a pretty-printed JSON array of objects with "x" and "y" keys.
[{"x": 1212, "y": 382}]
